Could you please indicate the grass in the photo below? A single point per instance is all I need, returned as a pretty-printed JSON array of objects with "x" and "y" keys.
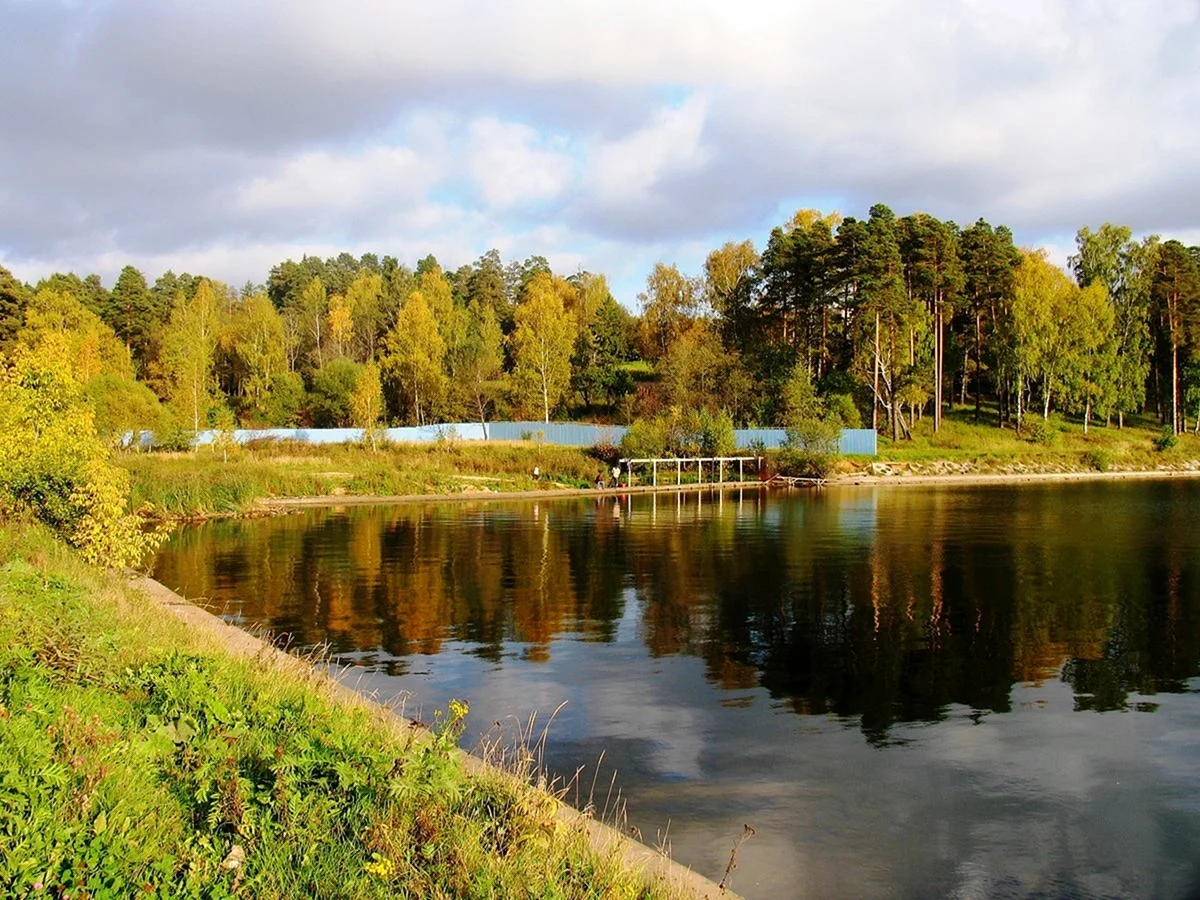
[
  {"x": 961, "y": 445},
  {"x": 202, "y": 483},
  {"x": 137, "y": 759}
]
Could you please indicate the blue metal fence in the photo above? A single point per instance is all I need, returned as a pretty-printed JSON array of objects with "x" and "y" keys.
[{"x": 569, "y": 434}]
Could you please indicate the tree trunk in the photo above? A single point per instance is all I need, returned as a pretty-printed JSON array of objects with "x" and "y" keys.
[
  {"x": 937, "y": 369},
  {"x": 1020, "y": 391},
  {"x": 978, "y": 365},
  {"x": 1174, "y": 383},
  {"x": 875, "y": 405},
  {"x": 1046, "y": 399},
  {"x": 1087, "y": 414}
]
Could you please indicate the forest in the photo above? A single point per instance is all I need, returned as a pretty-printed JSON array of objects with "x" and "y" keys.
[{"x": 877, "y": 322}]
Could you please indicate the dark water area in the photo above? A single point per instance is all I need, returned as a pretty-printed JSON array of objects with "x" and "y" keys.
[{"x": 907, "y": 692}]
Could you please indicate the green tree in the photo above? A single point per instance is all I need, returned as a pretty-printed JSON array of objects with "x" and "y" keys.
[
  {"x": 123, "y": 406},
  {"x": 13, "y": 300},
  {"x": 255, "y": 338},
  {"x": 600, "y": 350},
  {"x": 414, "y": 354},
  {"x": 332, "y": 389},
  {"x": 542, "y": 343},
  {"x": 934, "y": 275},
  {"x": 989, "y": 261},
  {"x": 483, "y": 359},
  {"x": 188, "y": 351},
  {"x": 1175, "y": 295},
  {"x": 1125, "y": 267},
  {"x": 313, "y": 310},
  {"x": 669, "y": 303},
  {"x": 366, "y": 403},
  {"x": 129, "y": 312}
]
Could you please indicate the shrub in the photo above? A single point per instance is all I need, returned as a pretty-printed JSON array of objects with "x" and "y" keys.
[
  {"x": 645, "y": 439},
  {"x": 1039, "y": 431},
  {"x": 1166, "y": 439},
  {"x": 811, "y": 447},
  {"x": 54, "y": 467},
  {"x": 1098, "y": 460}
]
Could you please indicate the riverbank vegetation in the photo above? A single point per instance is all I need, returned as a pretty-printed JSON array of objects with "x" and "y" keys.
[
  {"x": 208, "y": 481},
  {"x": 137, "y": 759},
  {"x": 894, "y": 320}
]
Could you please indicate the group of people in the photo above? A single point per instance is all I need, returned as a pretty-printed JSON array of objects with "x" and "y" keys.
[{"x": 616, "y": 477}]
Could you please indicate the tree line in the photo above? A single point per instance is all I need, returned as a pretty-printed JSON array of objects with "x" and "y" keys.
[{"x": 883, "y": 320}]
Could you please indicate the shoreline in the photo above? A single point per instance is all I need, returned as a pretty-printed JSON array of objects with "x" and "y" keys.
[
  {"x": 653, "y": 868},
  {"x": 275, "y": 506},
  {"x": 983, "y": 478},
  {"x": 282, "y": 504}
]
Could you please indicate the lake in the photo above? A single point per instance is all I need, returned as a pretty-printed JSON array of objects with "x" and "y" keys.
[{"x": 906, "y": 692}]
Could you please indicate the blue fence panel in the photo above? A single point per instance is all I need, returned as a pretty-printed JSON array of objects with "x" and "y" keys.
[
  {"x": 567, "y": 434},
  {"x": 771, "y": 438},
  {"x": 858, "y": 440}
]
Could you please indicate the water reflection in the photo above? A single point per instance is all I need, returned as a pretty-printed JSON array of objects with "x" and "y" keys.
[
  {"x": 971, "y": 635},
  {"x": 882, "y": 606}
]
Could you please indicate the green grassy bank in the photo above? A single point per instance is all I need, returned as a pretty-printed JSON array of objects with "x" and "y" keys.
[
  {"x": 962, "y": 447},
  {"x": 205, "y": 483},
  {"x": 138, "y": 759}
]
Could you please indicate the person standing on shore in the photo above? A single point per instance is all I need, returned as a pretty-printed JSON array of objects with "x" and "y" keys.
[{"x": 616, "y": 474}]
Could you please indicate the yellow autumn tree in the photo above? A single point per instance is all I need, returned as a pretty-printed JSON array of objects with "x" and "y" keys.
[
  {"x": 542, "y": 343},
  {"x": 54, "y": 467}
]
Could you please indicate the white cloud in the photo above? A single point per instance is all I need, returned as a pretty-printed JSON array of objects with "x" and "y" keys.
[
  {"x": 467, "y": 125},
  {"x": 506, "y": 161},
  {"x": 624, "y": 170},
  {"x": 341, "y": 181}
]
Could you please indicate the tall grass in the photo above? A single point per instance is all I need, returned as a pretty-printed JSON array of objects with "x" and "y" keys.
[
  {"x": 1055, "y": 445},
  {"x": 136, "y": 759},
  {"x": 202, "y": 483}
]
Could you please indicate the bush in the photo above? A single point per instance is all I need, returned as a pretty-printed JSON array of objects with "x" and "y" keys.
[
  {"x": 173, "y": 438},
  {"x": 54, "y": 467},
  {"x": 1166, "y": 439},
  {"x": 696, "y": 432},
  {"x": 801, "y": 463},
  {"x": 811, "y": 447},
  {"x": 1039, "y": 431},
  {"x": 1097, "y": 460},
  {"x": 645, "y": 439}
]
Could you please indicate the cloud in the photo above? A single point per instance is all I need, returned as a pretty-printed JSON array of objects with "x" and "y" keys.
[
  {"x": 506, "y": 162},
  {"x": 143, "y": 130}
]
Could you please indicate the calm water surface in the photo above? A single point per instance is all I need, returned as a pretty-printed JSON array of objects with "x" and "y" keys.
[{"x": 960, "y": 691}]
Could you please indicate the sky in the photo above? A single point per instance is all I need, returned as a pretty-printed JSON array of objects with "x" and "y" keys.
[{"x": 222, "y": 137}]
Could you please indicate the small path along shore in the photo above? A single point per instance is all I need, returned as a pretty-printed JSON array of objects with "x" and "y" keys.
[{"x": 653, "y": 867}]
